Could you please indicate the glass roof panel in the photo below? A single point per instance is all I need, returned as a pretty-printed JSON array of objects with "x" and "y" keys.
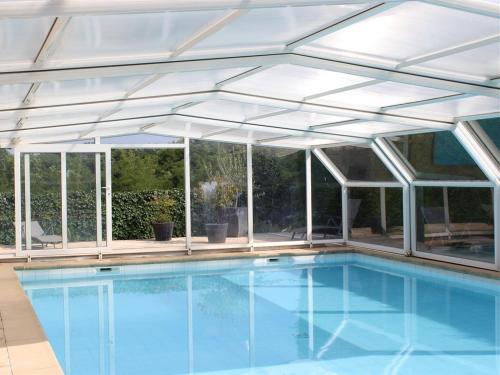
[
  {"x": 90, "y": 89},
  {"x": 275, "y": 26},
  {"x": 359, "y": 163},
  {"x": 299, "y": 120},
  {"x": 140, "y": 138},
  {"x": 22, "y": 38},
  {"x": 383, "y": 94},
  {"x": 227, "y": 110},
  {"x": 368, "y": 128},
  {"x": 13, "y": 94},
  {"x": 491, "y": 127},
  {"x": 130, "y": 34},
  {"x": 295, "y": 82},
  {"x": 438, "y": 156},
  {"x": 476, "y": 62},
  {"x": 454, "y": 108},
  {"x": 410, "y": 29},
  {"x": 188, "y": 81}
]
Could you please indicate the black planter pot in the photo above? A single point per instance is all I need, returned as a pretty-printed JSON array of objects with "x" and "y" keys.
[
  {"x": 163, "y": 231},
  {"x": 216, "y": 233}
]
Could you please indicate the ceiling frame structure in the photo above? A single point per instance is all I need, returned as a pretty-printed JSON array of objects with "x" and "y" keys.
[{"x": 191, "y": 55}]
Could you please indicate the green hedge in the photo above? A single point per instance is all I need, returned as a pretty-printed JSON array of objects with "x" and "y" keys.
[{"x": 131, "y": 214}]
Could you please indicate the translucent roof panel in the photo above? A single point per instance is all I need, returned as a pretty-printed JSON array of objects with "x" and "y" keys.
[
  {"x": 276, "y": 26},
  {"x": 368, "y": 128},
  {"x": 294, "y": 82},
  {"x": 299, "y": 119},
  {"x": 147, "y": 35},
  {"x": 188, "y": 81},
  {"x": 383, "y": 94},
  {"x": 140, "y": 139},
  {"x": 450, "y": 109},
  {"x": 86, "y": 89},
  {"x": 410, "y": 29},
  {"x": 12, "y": 94},
  {"x": 21, "y": 38},
  {"x": 482, "y": 62},
  {"x": 227, "y": 110},
  {"x": 359, "y": 163},
  {"x": 438, "y": 156}
]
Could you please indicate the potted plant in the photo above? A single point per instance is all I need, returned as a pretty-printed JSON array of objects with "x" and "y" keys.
[
  {"x": 163, "y": 225},
  {"x": 215, "y": 228}
]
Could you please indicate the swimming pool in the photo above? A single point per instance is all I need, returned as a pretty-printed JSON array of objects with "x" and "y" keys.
[{"x": 328, "y": 314}]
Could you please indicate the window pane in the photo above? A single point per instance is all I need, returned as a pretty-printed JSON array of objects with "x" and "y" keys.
[
  {"x": 359, "y": 163},
  {"x": 376, "y": 216},
  {"x": 438, "y": 156},
  {"x": 456, "y": 222},
  {"x": 7, "y": 233},
  {"x": 219, "y": 211},
  {"x": 326, "y": 202},
  {"x": 279, "y": 194},
  {"x": 492, "y": 128}
]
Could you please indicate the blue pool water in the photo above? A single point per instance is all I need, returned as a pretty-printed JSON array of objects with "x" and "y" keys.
[{"x": 330, "y": 314}]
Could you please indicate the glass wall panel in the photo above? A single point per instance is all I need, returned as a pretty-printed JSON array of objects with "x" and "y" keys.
[
  {"x": 44, "y": 206},
  {"x": 7, "y": 232},
  {"x": 148, "y": 193},
  {"x": 279, "y": 195},
  {"x": 219, "y": 211},
  {"x": 376, "y": 216},
  {"x": 456, "y": 221},
  {"x": 82, "y": 199},
  {"x": 359, "y": 163},
  {"x": 491, "y": 127},
  {"x": 326, "y": 203},
  {"x": 438, "y": 156}
]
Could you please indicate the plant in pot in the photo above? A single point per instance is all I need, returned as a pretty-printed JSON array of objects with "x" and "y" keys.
[
  {"x": 163, "y": 225},
  {"x": 215, "y": 226}
]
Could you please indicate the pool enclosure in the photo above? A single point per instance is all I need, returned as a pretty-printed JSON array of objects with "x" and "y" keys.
[{"x": 375, "y": 124}]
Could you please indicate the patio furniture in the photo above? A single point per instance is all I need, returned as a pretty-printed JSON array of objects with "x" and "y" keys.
[
  {"x": 39, "y": 235},
  {"x": 333, "y": 224}
]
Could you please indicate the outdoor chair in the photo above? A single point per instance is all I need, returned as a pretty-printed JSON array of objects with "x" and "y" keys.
[{"x": 39, "y": 235}]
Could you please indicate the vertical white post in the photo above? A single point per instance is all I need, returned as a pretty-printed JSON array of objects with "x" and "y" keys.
[
  {"x": 345, "y": 213},
  {"x": 383, "y": 210},
  {"x": 250, "y": 195},
  {"x": 310, "y": 310},
  {"x": 27, "y": 201},
  {"x": 64, "y": 202},
  {"x": 98, "y": 203},
  {"x": 446, "y": 207},
  {"x": 407, "y": 224},
  {"x": 308, "y": 197},
  {"x": 413, "y": 217},
  {"x": 187, "y": 192},
  {"x": 109, "y": 204},
  {"x": 17, "y": 202}
]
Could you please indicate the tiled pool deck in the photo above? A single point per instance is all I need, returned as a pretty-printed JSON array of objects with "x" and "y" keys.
[{"x": 24, "y": 348}]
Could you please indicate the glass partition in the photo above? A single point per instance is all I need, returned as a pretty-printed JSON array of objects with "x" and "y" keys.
[
  {"x": 438, "y": 156},
  {"x": 376, "y": 215},
  {"x": 279, "y": 195},
  {"x": 491, "y": 127},
  {"x": 456, "y": 221},
  {"x": 7, "y": 232},
  {"x": 359, "y": 163},
  {"x": 219, "y": 211},
  {"x": 326, "y": 203}
]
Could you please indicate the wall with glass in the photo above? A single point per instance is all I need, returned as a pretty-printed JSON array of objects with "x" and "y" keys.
[
  {"x": 376, "y": 215},
  {"x": 279, "y": 194},
  {"x": 358, "y": 163},
  {"x": 438, "y": 156},
  {"x": 7, "y": 212},
  {"x": 326, "y": 203},
  {"x": 219, "y": 212},
  {"x": 456, "y": 222},
  {"x": 491, "y": 127}
]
